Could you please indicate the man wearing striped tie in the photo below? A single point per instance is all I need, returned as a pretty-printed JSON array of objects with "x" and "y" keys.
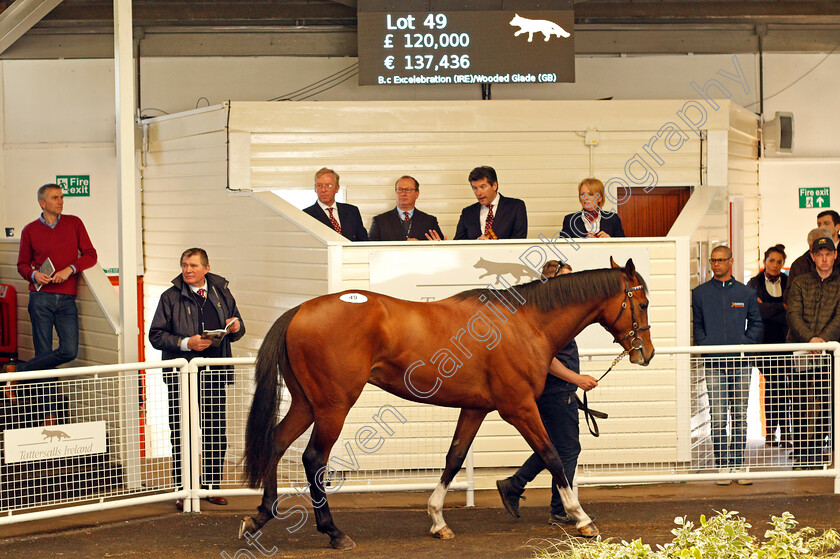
[
  {"x": 493, "y": 216},
  {"x": 405, "y": 222},
  {"x": 344, "y": 219}
]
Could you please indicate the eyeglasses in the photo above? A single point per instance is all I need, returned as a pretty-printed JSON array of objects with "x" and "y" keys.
[
  {"x": 405, "y": 190},
  {"x": 317, "y": 186},
  {"x": 718, "y": 260}
]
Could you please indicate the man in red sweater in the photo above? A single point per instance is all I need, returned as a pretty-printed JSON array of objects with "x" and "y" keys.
[{"x": 52, "y": 297}]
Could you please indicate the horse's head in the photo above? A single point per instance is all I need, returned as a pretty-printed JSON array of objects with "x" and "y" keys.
[{"x": 626, "y": 317}]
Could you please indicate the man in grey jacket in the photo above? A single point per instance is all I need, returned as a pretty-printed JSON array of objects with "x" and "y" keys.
[{"x": 198, "y": 302}]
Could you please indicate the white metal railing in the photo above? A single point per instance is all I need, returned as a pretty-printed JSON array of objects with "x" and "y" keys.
[
  {"x": 85, "y": 424},
  {"x": 669, "y": 401}
]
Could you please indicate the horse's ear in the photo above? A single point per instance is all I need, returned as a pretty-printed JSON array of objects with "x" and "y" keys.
[
  {"x": 630, "y": 268},
  {"x": 613, "y": 264}
]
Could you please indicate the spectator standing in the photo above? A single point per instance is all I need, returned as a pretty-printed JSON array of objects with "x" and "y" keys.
[
  {"x": 721, "y": 308},
  {"x": 813, "y": 316},
  {"x": 804, "y": 263},
  {"x": 769, "y": 285},
  {"x": 52, "y": 297},
  {"x": 198, "y": 301}
]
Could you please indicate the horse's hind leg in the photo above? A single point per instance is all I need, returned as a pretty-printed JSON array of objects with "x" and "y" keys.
[
  {"x": 297, "y": 420},
  {"x": 315, "y": 458},
  {"x": 468, "y": 423},
  {"x": 525, "y": 416}
]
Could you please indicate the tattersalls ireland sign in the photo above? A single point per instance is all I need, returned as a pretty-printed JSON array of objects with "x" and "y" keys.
[{"x": 56, "y": 441}]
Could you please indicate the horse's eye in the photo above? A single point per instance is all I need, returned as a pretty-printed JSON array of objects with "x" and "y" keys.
[{"x": 643, "y": 306}]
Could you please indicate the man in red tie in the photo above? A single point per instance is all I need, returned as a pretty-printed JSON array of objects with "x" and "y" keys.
[
  {"x": 405, "y": 222},
  {"x": 493, "y": 216},
  {"x": 344, "y": 219},
  {"x": 198, "y": 301}
]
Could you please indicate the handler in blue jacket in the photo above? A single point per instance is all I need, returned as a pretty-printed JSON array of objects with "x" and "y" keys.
[{"x": 726, "y": 312}]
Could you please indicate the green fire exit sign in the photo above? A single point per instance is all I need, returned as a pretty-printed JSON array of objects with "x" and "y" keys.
[
  {"x": 814, "y": 197},
  {"x": 74, "y": 185}
]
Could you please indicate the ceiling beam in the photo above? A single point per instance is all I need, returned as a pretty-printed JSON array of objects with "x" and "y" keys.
[{"x": 19, "y": 18}]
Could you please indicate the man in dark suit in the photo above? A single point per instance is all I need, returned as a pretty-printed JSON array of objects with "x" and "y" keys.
[
  {"x": 493, "y": 216},
  {"x": 405, "y": 222},
  {"x": 343, "y": 218}
]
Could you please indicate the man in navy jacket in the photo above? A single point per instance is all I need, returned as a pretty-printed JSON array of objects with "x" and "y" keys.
[
  {"x": 405, "y": 222},
  {"x": 725, "y": 312},
  {"x": 345, "y": 219},
  {"x": 493, "y": 216}
]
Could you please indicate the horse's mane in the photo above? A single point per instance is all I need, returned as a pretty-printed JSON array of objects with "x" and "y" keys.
[{"x": 566, "y": 289}]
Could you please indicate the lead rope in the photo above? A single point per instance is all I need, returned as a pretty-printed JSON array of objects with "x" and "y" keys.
[{"x": 591, "y": 414}]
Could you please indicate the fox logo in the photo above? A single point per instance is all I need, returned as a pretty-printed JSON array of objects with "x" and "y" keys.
[
  {"x": 531, "y": 26},
  {"x": 54, "y": 434},
  {"x": 518, "y": 271}
]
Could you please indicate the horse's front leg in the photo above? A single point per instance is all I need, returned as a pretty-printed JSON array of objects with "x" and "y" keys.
[
  {"x": 468, "y": 423},
  {"x": 525, "y": 416}
]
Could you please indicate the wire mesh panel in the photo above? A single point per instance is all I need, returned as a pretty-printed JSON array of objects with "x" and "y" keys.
[
  {"x": 75, "y": 440},
  {"x": 384, "y": 440},
  {"x": 712, "y": 413}
]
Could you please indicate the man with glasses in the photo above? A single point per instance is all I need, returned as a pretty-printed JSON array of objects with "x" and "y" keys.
[
  {"x": 721, "y": 308},
  {"x": 344, "y": 219},
  {"x": 405, "y": 222}
]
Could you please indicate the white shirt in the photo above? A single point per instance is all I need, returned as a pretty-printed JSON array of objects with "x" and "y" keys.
[
  {"x": 592, "y": 227},
  {"x": 334, "y": 208},
  {"x": 774, "y": 289}
]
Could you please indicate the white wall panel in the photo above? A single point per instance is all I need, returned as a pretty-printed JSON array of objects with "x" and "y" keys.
[{"x": 58, "y": 101}]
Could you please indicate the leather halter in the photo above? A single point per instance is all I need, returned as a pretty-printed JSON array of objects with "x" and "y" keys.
[{"x": 636, "y": 330}]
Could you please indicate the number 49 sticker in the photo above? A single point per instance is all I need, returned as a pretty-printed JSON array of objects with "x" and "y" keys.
[{"x": 353, "y": 298}]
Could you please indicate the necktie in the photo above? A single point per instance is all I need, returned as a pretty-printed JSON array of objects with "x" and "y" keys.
[
  {"x": 488, "y": 225},
  {"x": 202, "y": 293},
  {"x": 334, "y": 222},
  {"x": 405, "y": 217}
]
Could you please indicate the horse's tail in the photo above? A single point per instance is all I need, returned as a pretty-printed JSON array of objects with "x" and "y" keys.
[{"x": 272, "y": 361}]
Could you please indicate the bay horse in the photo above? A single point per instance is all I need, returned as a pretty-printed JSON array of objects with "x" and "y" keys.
[{"x": 328, "y": 348}]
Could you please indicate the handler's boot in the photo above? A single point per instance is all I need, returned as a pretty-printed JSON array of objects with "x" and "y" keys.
[{"x": 510, "y": 493}]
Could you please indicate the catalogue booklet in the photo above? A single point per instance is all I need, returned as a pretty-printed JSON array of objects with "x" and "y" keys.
[{"x": 216, "y": 336}]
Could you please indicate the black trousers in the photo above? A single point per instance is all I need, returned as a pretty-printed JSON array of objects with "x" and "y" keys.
[
  {"x": 559, "y": 414},
  {"x": 810, "y": 417},
  {"x": 211, "y": 403}
]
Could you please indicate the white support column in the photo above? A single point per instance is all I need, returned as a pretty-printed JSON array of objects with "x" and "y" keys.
[
  {"x": 126, "y": 170},
  {"x": 127, "y": 219}
]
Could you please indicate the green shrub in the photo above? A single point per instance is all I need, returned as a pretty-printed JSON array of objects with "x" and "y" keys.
[{"x": 723, "y": 536}]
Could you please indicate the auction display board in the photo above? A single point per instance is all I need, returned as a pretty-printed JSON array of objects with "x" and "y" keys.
[{"x": 457, "y": 46}]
